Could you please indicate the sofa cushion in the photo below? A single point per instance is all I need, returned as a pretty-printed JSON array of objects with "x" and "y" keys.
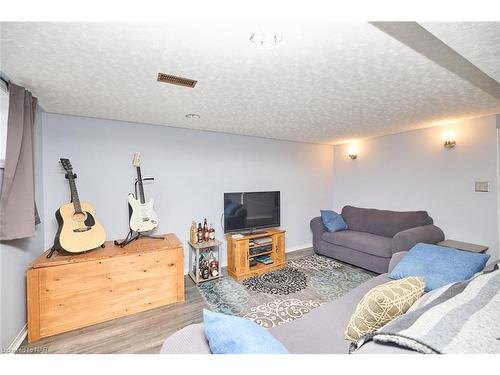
[
  {"x": 383, "y": 222},
  {"x": 382, "y": 304},
  {"x": 365, "y": 242},
  {"x": 322, "y": 330},
  {"x": 439, "y": 265},
  {"x": 333, "y": 221}
]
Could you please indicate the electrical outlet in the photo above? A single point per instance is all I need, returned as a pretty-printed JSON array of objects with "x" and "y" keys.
[{"x": 482, "y": 186}]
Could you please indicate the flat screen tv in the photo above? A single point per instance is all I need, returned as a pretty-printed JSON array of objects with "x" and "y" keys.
[{"x": 247, "y": 211}]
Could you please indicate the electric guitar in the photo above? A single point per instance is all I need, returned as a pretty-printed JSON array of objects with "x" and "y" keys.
[
  {"x": 143, "y": 218},
  {"x": 78, "y": 229}
]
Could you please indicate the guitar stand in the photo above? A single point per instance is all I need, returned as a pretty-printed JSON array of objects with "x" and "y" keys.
[
  {"x": 51, "y": 252},
  {"x": 131, "y": 238},
  {"x": 53, "y": 249}
]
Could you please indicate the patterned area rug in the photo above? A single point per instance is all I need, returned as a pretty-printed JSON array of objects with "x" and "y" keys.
[{"x": 286, "y": 294}]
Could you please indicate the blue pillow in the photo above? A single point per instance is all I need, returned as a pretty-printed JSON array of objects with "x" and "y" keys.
[
  {"x": 227, "y": 334},
  {"x": 333, "y": 221},
  {"x": 439, "y": 265}
]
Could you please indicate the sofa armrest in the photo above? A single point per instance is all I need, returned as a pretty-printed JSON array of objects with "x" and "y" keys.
[
  {"x": 396, "y": 258},
  {"x": 406, "y": 239},
  {"x": 493, "y": 266},
  {"x": 317, "y": 228},
  {"x": 188, "y": 340}
]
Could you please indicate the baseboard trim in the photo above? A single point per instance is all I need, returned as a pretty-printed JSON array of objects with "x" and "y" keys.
[
  {"x": 18, "y": 340},
  {"x": 299, "y": 247}
]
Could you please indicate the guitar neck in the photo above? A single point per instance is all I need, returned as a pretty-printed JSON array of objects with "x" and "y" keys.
[
  {"x": 141, "y": 186},
  {"x": 74, "y": 194}
]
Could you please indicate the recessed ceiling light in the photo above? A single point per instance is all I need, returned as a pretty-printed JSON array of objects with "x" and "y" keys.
[
  {"x": 266, "y": 39},
  {"x": 192, "y": 115}
]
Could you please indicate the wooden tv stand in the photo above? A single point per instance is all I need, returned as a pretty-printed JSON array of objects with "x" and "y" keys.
[{"x": 238, "y": 253}]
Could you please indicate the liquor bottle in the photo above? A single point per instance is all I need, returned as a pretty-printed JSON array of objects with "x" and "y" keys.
[
  {"x": 204, "y": 274},
  {"x": 211, "y": 233},
  {"x": 213, "y": 265},
  {"x": 215, "y": 269},
  {"x": 200, "y": 233},
  {"x": 201, "y": 265},
  {"x": 194, "y": 232},
  {"x": 205, "y": 230},
  {"x": 211, "y": 259},
  {"x": 206, "y": 235}
]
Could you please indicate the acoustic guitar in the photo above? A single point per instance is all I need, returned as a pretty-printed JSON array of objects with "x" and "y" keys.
[
  {"x": 78, "y": 230},
  {"x": 143, "y": 218}
]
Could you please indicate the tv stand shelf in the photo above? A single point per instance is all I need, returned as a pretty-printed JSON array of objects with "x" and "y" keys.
[{"x": 239, "y": 255}]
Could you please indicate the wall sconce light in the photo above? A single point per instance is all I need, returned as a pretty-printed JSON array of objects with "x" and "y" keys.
[
  {"x": 449, "y": 141},
  {"x": 352, "y": 152}
]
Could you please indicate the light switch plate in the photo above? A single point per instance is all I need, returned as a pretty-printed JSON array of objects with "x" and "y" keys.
[{"x": 482, "y": 186}]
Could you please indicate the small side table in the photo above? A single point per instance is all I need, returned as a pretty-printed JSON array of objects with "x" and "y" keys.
[
  {"x": 465, "y": 246},
  {"x": 195, "y": 251}
]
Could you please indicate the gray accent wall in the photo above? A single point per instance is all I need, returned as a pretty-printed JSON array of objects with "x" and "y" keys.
[
  {"x": 15, "y": 256},
  {"x": 192, "y": 170},
  {"x": 413, "y": 171}
]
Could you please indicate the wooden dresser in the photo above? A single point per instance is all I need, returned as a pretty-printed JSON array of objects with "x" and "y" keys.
[{"x": 66, "y": 292}]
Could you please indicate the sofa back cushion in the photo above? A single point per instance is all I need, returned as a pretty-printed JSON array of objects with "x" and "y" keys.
[{"x": 383, "y": 222}]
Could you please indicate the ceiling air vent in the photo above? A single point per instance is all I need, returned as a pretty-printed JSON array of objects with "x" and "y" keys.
[{"x": 167, "y": 78}]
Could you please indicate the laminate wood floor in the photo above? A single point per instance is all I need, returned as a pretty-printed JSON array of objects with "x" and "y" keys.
[{"x": 139, "y": 333}]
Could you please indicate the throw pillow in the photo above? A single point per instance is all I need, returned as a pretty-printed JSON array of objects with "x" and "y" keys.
[
  {"x": 382, "y": 304},
  {"x": 333, "y": 221},
  {"x": 227, "y": 334},
  {"x": 439, "y": 265}
]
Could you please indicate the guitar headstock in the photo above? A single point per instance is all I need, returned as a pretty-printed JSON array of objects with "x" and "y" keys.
[
  {"x": 67, "y": 167},
  {"x": 137, "y": 159}
]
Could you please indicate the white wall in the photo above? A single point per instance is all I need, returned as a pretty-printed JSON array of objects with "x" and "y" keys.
[
  {"x": 192, "y": 169},
  {"x": 413, "y": 170},
  {"x": 15, "y": 256}
]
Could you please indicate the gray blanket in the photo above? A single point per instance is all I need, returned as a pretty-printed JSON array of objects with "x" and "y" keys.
[{"x": 459, "y": 318}]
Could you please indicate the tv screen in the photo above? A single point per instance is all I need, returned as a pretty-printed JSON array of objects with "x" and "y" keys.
[{"x": 251, "y": 210}]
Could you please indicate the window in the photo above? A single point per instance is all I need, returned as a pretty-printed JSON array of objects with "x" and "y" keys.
[{"x": 4, "y": 111}]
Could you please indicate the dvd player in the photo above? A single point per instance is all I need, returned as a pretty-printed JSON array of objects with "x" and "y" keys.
[{"x": 260, "y": 249}]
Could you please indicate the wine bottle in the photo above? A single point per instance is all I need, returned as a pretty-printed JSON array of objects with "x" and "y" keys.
[{"x": 200, "y": 233}]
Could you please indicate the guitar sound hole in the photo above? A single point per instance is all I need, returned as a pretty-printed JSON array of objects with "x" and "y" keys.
[{"x": 79, "y": 217}]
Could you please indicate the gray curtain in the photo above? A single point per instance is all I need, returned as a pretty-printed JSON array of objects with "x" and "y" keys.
[{"x": 18, "y": 214}]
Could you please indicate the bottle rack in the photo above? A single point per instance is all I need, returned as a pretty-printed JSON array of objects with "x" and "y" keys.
[{"x": 195, "y": 251}]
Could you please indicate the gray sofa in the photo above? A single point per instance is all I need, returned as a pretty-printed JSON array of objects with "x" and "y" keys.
[
  {"x": 374, "y": 235},
  {"x": 319, "y": 332}
]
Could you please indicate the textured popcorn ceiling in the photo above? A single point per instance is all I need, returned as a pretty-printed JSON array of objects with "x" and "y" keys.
[
  {"x": 325, "y": 83},
  {"x": 478, "y": 42}
]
